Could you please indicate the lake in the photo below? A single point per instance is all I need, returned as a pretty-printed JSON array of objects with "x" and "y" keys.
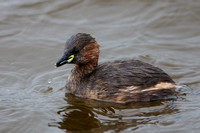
[{"x": 33, "y": 97}]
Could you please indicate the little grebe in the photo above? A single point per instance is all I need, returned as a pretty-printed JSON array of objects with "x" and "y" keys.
[{"x": 119, "y": 81}]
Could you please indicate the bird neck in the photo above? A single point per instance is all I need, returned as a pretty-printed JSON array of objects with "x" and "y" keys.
[{"x": 80, "y": 71}]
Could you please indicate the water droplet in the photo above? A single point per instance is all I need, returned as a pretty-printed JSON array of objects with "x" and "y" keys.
[
  {"x": 49, "y": 81},
  {"x": 55, "y": 66}
]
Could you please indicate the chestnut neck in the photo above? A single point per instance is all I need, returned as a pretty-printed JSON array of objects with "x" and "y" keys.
[
  {"x": 91, "y": 55},
  {"x": 83, "y": 70}
]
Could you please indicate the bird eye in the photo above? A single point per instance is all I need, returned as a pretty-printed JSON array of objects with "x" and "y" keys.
[{"x": 76, "y": 51}]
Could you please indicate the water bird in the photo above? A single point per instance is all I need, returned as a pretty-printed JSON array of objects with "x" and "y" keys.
[{"x": 119, "y": 81}]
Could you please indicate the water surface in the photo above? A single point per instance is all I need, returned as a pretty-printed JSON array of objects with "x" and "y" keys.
[{"x": 32, "y": 36}]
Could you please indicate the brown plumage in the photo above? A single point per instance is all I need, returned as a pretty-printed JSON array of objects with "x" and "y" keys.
[{"x": 121, "y": 81}]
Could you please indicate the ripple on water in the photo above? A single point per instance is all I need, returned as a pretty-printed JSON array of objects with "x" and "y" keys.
[
  {"x": 33, "y": 97},
  {"x": 85, "y": 114}
]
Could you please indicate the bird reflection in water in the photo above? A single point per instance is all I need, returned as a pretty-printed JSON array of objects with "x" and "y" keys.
[
  {"x": 81, "y": 114},
  {"x": 77, "y": 116}
]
